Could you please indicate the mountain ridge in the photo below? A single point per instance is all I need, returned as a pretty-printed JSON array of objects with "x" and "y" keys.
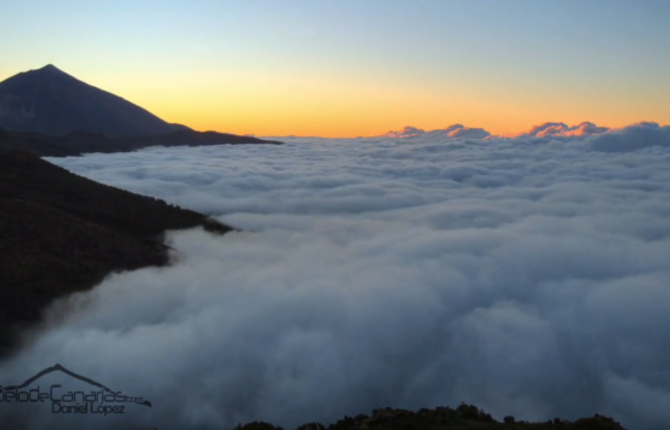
[
  {"x": 50, "y": 101},
  {"x": 82, "y": 142}
]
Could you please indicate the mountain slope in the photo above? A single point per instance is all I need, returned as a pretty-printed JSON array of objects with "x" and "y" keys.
[
  {"x": 50, "y": 101},
  {"x": 81, "y": 142},
  {"x": 61, "y": 233}
]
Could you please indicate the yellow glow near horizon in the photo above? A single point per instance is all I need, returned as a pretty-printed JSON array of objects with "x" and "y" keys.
[
  {"x": 344, "y": 69},
  {"x": 266, "y": 104},
  {"x": 282, "y": 103}
]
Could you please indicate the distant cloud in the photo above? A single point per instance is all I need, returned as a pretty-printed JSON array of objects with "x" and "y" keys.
[
  {"x": 405, "y": 133},
  {"x": 631, "y": 138},
  {"x": 605, "y": 139},
  {"x": 456, "y": 131},
  {"x": 559, "y": 129},
  {"x": 526, "y": 275}
]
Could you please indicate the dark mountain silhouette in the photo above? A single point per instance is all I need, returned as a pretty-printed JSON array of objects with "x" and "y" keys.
[
  {"x": 50, "y": 113},
  {"x": 61, "y": 233},
  {"x": 82, "y": 142},
  {"x": 50, "y": 101}
]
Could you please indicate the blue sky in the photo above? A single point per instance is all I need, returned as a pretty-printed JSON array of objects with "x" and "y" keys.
[{"x": 496, "y": 63}]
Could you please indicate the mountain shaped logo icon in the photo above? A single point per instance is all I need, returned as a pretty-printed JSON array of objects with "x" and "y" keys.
[{"x": 59, "y": 368}]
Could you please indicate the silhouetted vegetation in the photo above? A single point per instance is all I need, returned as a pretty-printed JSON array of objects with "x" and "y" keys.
[
  {"x": 464, "y": 417},
  {"x": 61, "y": 233}
]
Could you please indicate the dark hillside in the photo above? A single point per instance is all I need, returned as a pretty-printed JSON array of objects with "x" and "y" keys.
[
  {"x": 61, "y": 233},
  {"x": 82, "y": 142}
]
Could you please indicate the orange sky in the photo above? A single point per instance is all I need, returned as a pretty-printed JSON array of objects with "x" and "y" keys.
[
  {"x": 345, "y": 69},
  {"x": 276, "y": 104},
  {"x": 281, "y": 103}
]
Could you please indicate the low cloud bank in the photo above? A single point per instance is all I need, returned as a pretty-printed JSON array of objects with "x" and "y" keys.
[
  {"x": 629, "y": 138},
  {"x": 527, "y": 276},
  {"x": 642, "y": 135}
]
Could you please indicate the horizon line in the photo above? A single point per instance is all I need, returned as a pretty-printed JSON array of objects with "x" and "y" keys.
[{"x": 527, "y": 132}]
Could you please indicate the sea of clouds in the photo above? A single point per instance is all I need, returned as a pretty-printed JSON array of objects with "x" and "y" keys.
[{"x": 529, "y": 276}]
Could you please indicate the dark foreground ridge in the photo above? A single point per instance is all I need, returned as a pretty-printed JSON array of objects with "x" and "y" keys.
[
  {"x": 61, "y": 233},
  {"x": 464, "y": 417},
  {"x": 83, "y": 142}
]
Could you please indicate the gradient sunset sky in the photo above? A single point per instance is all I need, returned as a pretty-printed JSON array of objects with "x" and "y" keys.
[{"x": 340, "y": 68}]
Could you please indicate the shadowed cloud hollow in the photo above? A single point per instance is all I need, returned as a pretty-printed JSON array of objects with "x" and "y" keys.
[{"x": 527, "y": 276}]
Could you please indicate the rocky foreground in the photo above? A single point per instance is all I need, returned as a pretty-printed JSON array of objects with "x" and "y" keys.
[{"x": 464, "y": 417}]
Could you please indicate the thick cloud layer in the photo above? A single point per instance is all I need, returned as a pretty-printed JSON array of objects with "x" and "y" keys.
[{"x": 527, "y": 276}]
